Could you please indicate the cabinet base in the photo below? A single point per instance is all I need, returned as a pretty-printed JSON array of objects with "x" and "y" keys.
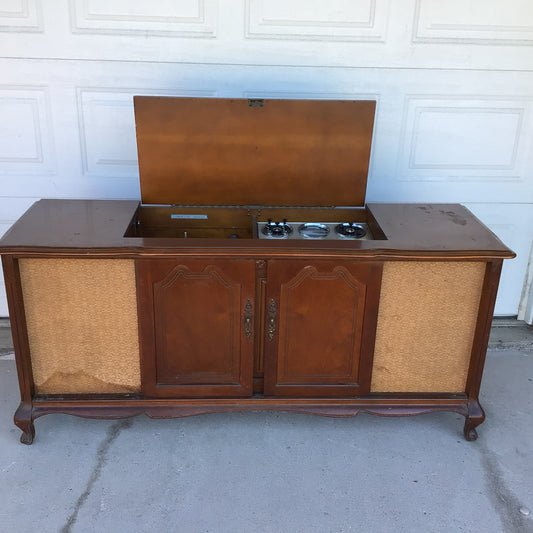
[
  {"x": 474, "y": 418},
  {"x": 24, "y": 421},
  {"x": 121, "y": 407}
]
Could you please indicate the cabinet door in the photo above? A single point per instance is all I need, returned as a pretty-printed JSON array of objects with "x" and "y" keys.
[
  {"x": 196, "y": 327},
  {"x": 320, "y": 327}
]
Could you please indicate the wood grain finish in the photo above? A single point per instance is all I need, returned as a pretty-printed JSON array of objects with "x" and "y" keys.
[
  {"x": 450, "y": 250},
  {"x": 194, "y": 336},
  {"x": 246, "y": 324},
  {"x": 221, "y": 151},
  {"x": 23, "y": 417},
  {"x": 112, "y": 408},
  {"x": 260, "y": 298},
  {"x": 476, "y": 415},
  {"x": 323, "y": 327},
  {"x": 180, "y": 222},
  {"x": 97, "y": 227}
]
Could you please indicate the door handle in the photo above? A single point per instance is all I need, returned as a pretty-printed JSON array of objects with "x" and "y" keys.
[
  {"x": 272, "y": 316},
  {"x": 248, "y": 317}
]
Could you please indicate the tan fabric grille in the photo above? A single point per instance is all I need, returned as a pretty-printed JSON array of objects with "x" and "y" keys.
[
  {"x": 82, "y": 324},
  {"x": 426, "y": 321}
]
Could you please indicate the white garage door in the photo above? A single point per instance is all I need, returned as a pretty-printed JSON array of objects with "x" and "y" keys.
[{"x": 453, "y": 81}]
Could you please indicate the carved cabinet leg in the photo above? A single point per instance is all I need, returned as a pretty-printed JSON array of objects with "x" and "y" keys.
[
  {"x": 474, "y": 418},
  {"x": 23, "y": 420}
]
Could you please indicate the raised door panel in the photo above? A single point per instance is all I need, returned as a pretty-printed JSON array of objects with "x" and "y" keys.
[
  {"x": 320, "y": 328},
  {"x": 196, "y": 327}
]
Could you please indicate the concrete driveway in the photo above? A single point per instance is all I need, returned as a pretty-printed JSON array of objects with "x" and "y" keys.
[{"x": 276, "y": 473}]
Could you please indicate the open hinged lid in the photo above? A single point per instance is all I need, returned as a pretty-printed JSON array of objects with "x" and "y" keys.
[{"x": 222, "y": 151}]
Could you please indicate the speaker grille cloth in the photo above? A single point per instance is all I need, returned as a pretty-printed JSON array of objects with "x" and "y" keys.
[
  {"x": 426, "y": 322},
  {"x": 82, "y": 325}
]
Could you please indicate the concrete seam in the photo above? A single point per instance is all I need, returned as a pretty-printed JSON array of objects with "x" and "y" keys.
[
  {"x": 101, "y": 459},
  {"x": 504, "y": 501}
]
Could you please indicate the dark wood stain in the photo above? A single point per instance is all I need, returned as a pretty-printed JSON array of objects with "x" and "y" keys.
[
  {"x": 286, "y": 152},
  {"x": 97, "y": 228},
  {"x": 246, "y": 324}
]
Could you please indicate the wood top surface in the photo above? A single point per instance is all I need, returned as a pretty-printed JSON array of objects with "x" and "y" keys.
[
  {"x": 97, "y": 227},
  {"x": 230, "y": 151}
]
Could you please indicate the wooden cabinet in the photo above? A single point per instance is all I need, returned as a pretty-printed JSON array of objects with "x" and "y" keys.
[
  {"x": 198, "y": 318},
  {"x": 320, "y": 327},
  {"x": 392, "y": 327},
  {"x": 196, "y": 322},
  {"x": 394, "y": 324}
]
